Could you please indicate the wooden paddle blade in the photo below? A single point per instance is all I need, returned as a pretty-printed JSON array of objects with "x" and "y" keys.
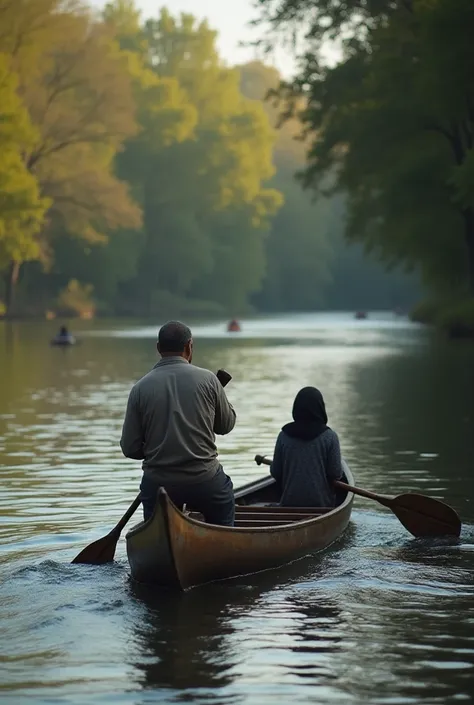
[
  {"x": 100, "y": 551},
  {"x": 425, "y": 516}
]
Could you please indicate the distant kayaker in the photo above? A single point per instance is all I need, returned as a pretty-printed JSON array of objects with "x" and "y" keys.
[
  {"x": 307, "y": 457},
  {"x": 64, "y": 337},
  {"x": 172, "y": 415},
  {"x": 233, "y": 326}
]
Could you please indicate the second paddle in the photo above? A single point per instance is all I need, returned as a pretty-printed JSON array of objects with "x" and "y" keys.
[{"x": 422, "y": 516}]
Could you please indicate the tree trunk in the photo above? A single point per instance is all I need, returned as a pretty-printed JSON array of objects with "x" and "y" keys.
[
  {"x": 468, "y": 215},
  {"x": 11, "y": 279}
]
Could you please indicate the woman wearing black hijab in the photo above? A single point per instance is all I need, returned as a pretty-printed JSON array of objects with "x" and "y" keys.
[{"x": 307, "y": 457}]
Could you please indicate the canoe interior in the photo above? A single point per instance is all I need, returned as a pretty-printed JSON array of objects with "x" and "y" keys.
[
  {"x": 263, "y": 495},
  {"x": 258, "y": 515},
  {"x": 261, "y": 491},
  {"x": 256, "y": 506}
]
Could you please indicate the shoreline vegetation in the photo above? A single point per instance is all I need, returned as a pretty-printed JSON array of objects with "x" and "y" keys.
[{"x": 455, "y": 317}]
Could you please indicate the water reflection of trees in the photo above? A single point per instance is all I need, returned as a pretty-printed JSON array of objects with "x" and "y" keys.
[{"x": 407, "y": 424}]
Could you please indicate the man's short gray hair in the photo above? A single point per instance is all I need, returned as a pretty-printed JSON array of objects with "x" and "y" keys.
[{"x": 173, "y": 337}]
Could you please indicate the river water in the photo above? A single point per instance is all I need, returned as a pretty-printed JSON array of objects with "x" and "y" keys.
[{"x": 378, "y": 618}]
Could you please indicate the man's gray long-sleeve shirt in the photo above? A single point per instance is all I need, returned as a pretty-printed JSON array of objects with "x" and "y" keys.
[{"x": 172, "y": 415}]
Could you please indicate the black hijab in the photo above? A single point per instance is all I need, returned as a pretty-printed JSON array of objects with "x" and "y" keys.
[{"x": 309, "y": 414}]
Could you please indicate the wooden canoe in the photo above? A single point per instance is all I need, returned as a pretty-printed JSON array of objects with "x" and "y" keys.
[
  {"x": 178, "y": 550},
  {"x": 64, "y": 340}
]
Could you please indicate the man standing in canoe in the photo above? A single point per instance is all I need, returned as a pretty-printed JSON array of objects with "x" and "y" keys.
[{"x": 172, "y": 415}]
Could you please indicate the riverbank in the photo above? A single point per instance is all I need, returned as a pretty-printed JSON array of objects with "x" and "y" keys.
[
  {"x": 171, "y": 307},
  {"x": 454, "y": 318}
]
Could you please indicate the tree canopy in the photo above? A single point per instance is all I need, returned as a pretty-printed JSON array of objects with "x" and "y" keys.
[
  {"x": 22, "y": 209},
  {"x": 392, "y": 121},
  {"x": 75, "y": 90},
  {"x": 140, "y": 174}
]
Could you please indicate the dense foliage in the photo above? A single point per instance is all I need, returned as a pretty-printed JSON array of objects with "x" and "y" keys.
[
  {"x": 392, "y": 119},
  {"x": 141, "y": 175}
]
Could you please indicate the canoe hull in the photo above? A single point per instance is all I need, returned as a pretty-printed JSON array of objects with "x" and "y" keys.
[
  {"x": 64, "y": 341},
  {"x": 174, "y": 550}
]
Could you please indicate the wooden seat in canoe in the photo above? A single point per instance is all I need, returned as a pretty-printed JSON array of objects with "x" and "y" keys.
[{"x": 249, "y": 515}]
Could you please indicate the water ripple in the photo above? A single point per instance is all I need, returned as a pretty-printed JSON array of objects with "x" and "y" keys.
[{"x": 378, "y": 618}]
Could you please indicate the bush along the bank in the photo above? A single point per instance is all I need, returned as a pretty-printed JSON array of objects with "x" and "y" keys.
[
  {"x": 426, "y": 311},
  {"x": 455, "y": 318}
]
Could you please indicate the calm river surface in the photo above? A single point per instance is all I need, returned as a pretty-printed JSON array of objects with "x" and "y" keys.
[{"x": 377, "y": 618}]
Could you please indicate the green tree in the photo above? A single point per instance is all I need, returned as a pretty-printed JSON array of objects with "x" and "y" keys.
[
  {"x": 394, "y": 120},
  {"x": 198, "y": 166},
  {"x": 298, "y": 247}
]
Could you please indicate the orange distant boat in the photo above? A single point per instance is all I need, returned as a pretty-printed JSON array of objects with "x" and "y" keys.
[
  {"x": 233, "y": 326},
  {"x": 360, "y": 315}
]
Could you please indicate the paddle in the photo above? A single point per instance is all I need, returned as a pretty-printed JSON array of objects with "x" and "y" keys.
[
  {"x": 419, "y": 514},
  {"x": 103, "y": 550}
]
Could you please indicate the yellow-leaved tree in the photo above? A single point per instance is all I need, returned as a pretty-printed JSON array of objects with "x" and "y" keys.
[
  {"x": 22, "y": 210},
  {"x": 74, "y": 83}
]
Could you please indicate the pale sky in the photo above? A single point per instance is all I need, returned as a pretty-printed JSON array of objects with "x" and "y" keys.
[{"x": 230, "y": 18}]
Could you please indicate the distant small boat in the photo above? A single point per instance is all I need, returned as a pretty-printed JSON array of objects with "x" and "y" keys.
[
  {"x": 64, "y": 340},
  {"x": 360, "y": 315},
  {"x": 233, "y": 326},
  {"x": 64, "y": 337}
]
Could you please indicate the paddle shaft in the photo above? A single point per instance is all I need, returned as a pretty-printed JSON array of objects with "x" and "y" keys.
[
  {"x": 127, "y": 516},
  {"x": 383, "y": 499}
]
